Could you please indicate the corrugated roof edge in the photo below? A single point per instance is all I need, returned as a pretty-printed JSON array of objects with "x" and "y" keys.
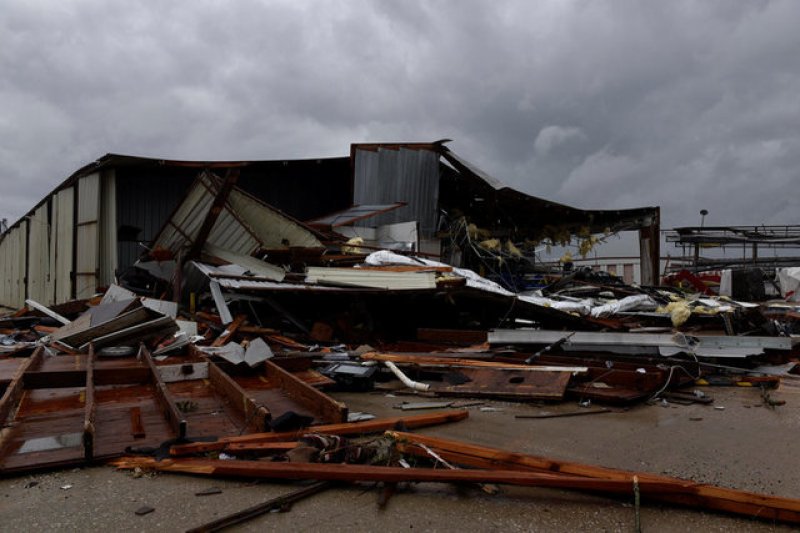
[
  {"x": 461, "y": 165},
  {"x": 111, "y": 159}
]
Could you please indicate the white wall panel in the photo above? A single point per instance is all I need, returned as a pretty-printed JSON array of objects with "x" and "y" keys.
[
  {"x": 108, "y": 228},
  {"x": 5, "y": 271},
  {"x": 38, "y": 255},
  {"x": 86, "y": 262},
  {"x": 22, "y": 259},
  {"x": 62, "y": 249},
  {"x": 12, "y": 263}
]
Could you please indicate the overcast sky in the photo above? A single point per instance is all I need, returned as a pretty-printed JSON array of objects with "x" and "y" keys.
[{"x": 686, "y": 105}]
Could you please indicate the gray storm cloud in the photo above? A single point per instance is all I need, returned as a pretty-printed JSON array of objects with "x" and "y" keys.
[{"x": 686, "y": 105}]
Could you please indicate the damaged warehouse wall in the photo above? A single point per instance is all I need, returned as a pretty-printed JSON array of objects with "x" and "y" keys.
[
  {"x": 100, "y": 220},
  {"x": 94, "y": 224}
]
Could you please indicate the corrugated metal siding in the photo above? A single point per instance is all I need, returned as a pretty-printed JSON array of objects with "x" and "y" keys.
[
  {"x": 22, "y": 259},
  {"x": 186, "y": 220},
  {"x": 108, "y": 228},
  {"x": 412, "y": 176},
  {"x": 61, "y": 260},
  {"x": 269, "y": 226},
  {"x": 86, "y": 261},
  {"x": 6, "y": 257},
  {"x": 7, "y": 249},
  {"x": 39, "y": 255},
  {"x": 242, "y": 227},
  {"x": 13, "y": 250},
  {"x": 145, "y": 199}
]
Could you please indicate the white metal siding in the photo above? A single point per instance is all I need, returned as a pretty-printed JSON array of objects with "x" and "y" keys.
[
  {"x": 242, "y": 227},
  {"x": 61, "y": 248},
  {"x": 39, "y": 255},
  {"x": 269, "y": 226},
  {"x": 108, "y": 228},
  {"x": 5, "y": 266},
  {"x": 12, "y": 259},
  {"x": 87, "y": 235},
  {"x": 22, "y": 258}
]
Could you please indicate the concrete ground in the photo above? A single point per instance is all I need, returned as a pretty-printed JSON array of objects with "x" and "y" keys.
[{"x": 746, "y": 446}]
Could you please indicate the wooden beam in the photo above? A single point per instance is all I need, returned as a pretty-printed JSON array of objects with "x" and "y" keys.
[
  {"x": 13, "y": 392},
  {"x": 431, "y": 360},
  {"x": 261, "y": 448},
  {"x": 323, "y": 406},
  {"x": 255, "y": 416},
  {"x": 765, "y": 507},
  {"x": 61, "y": 379},
  {"x": 164, "y": 397},
  {"x": 354, "y": 473},
  {"x": 89, "y": 408},
  {"x": 229, "y": 331},
  {"x": 348, "y": 428},
  {"x": 683, "y": 492}
]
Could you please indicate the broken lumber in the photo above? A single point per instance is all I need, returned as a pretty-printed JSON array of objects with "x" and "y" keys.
[
  {"x": 325, "y": 407},
  {"x": 255, "y": 416},
  {"x": 347, "y": 428},
  {"x": 678, "y": 491},
  {"x": 230, "y": 329},
  {"x": 390, "y": 474},
  {"x": 427, "y": 360},
  {"x": 13, "y": 392},
  {"x": 90, "y": 407},
  {"x": 165, "y": 399}
]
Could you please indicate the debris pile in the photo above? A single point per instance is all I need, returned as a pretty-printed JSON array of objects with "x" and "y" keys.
[{"x": 223, "y": 350}]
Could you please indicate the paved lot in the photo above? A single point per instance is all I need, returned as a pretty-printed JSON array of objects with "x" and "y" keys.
[{"x": 745, "y": 445}]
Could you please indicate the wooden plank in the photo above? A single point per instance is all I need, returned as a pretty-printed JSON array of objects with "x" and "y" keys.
[
  {"x": 261, "y": 448},
  {"x": 506, "y": 459},
  {"x": 137, "y": 426},
  {"x": 684, "y": 492},
  {"x": 507, "y": 383},
  {"x": 348, "y": 428},
  {"x": 229, "y": 331},
  {"x": 90, "y": 407},
  {"x": 59, "y": 379},
  {"x": 323, "y": 406},
  {"x": 255, "y": 416},
  {"x": 351, "y": 473},
  {"x": 435, "y": 360},
  {"x": 762, "y": 506},
  {"x": 258, "y": 330},
  {"x": 164, "y": 397},
  {"x": 13, "y": 392}
]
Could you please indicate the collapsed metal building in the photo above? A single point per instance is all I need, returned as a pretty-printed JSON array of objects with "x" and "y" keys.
[{"x": 97, "y": 223}]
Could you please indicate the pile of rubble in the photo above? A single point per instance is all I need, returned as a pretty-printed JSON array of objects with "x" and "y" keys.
[{"x": 236, "y": 381}]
